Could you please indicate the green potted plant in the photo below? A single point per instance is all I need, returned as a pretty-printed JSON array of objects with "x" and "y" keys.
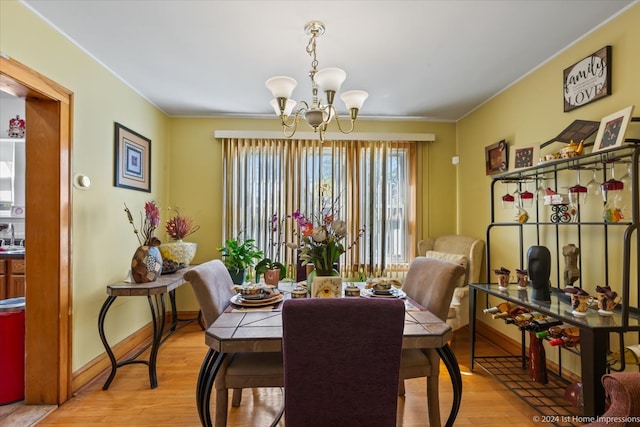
[
  {"x": 238, "y": 255},
  {"x": 273, "y": 271}
]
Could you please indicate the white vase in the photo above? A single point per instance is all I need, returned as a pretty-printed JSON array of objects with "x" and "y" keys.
[{"x": 179, "y": 251}]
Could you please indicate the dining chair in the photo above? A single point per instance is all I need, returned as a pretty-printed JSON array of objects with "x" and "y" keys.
[
  {"x": 341, "y": 361},
  {"x": 212, "y": 286},
  {"x": 430, "y": 282}
]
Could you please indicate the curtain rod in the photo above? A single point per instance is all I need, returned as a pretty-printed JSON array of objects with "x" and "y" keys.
[{"x": 356, "y": 136}]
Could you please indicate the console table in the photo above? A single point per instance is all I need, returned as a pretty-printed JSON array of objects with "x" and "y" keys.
[{"x": 155, "y": 292}]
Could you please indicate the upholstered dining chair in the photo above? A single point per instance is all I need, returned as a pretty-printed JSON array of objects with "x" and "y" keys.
[
  {"x": 341, "y": 361},
  {"x": 430, "y": 282},
  {"x": 212, "y": 286}
]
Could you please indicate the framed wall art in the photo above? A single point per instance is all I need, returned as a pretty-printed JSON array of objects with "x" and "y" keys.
[
  {"x": 587, "y": 80},
  {"x": 524, "y": 157},
  {"x": 497, "y": 157},
  {"x": 612, "y": 129},
  {"x": 132, "y": 160}
]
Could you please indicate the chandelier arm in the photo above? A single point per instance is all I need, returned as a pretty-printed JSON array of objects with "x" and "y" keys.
[{"x": 353, "y": 122}]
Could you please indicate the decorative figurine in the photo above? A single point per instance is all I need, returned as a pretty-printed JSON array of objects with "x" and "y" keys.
[
  {"x": 539, "y": 268},
  {"x": 16, "y": 127},
  {"x": 571, "y": 270}
]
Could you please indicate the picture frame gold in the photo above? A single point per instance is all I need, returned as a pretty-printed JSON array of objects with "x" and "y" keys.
[
  {"x": 496, "y": 158},
  {"x": 132, "y": 159},
  {"x": 612, "y": 129}
]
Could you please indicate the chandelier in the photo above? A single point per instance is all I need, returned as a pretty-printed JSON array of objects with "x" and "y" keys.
[{"x": 328, "y": 80}]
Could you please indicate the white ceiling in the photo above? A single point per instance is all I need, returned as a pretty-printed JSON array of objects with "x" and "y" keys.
[{"x": 433, "y": 60}]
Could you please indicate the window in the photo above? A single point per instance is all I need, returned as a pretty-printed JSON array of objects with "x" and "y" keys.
[{"x": 371, "y": 184}]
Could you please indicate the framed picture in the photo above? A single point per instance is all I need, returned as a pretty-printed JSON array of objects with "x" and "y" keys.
[
  {"x": 496, "y": 158},
  {"x": 132, "y": 161},
  {"x": 587, "y": 80},
  {"x": 524, "y": 157},
  {"x": 612, "y": 129}
]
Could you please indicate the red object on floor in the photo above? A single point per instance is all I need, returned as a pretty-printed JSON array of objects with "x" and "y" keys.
[{"x": 12, "y": 350}]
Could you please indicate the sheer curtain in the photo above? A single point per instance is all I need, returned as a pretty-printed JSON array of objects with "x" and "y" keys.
[{"x": 370, "y": 184}]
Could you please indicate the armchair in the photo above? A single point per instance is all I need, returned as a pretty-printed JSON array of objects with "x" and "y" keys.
[{"x": 466, "y": 251}]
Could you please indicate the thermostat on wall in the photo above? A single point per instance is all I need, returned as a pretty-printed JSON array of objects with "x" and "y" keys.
[{"x": 17, "y": 211}]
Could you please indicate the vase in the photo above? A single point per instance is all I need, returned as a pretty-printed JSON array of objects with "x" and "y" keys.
[
  {"x": 146, "y": 264},
  {"x": 238, "y": 276},
  {"x": 315, "y": 273},
  {"x": 179, "y": 251},
  {"x": 272, "y": 277}
]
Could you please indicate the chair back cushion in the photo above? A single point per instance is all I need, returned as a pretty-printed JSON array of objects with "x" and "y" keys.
[
  {"x": 431, "y": 282},
  {"x": 342, "y": 361},
  {"x": 212, "y": 285}
]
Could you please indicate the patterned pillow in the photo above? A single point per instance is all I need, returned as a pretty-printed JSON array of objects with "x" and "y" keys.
[{"x": 454, "y": 258}]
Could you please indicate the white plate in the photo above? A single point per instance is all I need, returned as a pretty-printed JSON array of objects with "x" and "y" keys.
[{"x": 395, "y": 293}]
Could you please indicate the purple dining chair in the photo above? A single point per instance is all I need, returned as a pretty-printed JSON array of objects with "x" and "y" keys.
[{"x": 342, "y": 361}]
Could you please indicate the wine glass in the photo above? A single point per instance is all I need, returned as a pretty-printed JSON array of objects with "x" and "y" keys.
[
  {"x": 526, "y": 197},
  {"x": 541, "y": 191},
  {"x": 508, "y": 200},
  {"x": 578, "y": 193},
  {"x": 593, "y": 186},
  {"x": 626, "y": 178}
]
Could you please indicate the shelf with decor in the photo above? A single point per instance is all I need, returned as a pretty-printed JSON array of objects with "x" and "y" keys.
[{"x": 612, "y": 243}]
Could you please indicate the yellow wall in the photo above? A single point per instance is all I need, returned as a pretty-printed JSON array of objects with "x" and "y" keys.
[
  {"x": 531, "y": 112},
  {"x": 102, "y": 240}
]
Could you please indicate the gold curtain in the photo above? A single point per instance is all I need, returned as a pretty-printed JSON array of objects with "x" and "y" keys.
[{"x": 267, "y": 177}]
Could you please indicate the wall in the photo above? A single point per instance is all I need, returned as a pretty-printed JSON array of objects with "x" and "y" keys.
[
  {"x": 102, "y": 240},
  {"x": 531, "y": 112}
]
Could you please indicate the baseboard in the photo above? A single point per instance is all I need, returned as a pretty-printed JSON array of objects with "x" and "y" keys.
[{"x": 126, "y": 348}]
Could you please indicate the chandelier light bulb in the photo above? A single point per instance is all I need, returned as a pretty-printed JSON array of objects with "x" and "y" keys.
[
  {"x": 354, "y": 98},
  {"x": 288, "y": 109}
]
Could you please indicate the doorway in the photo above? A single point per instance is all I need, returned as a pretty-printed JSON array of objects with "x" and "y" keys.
[{"x": 48, "y": 114}]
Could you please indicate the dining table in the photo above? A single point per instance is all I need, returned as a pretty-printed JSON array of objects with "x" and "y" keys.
[{"x": 258, "y": 328}]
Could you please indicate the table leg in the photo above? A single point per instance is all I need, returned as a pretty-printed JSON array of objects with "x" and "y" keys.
[
  {"x": 174, "y": 310},
  {"x": 472, "y": 324},
  {"x": 158, "y": 329},
  {"x": 208, "y": 371},
  {"x": 103, "y": 338},
  {"x": 451, "y": 363}
]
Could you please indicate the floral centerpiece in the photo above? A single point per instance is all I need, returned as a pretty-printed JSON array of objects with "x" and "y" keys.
[
  {"x": 178, "y": 254},
  {"x": 146, "y": 264},
  {"x": 321, "y": 243}
]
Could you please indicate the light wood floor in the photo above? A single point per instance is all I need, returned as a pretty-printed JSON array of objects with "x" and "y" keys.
[{"x": 130, "y": 402}]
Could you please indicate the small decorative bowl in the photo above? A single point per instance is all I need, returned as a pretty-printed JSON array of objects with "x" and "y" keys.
[
  {"x": 299, "y": 292},
  {"x": 351, "y": 291}
]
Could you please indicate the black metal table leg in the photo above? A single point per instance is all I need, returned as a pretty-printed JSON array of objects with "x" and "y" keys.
[
  {"x": 174, "y": 310},
  {"x": 451, "y": 363},
  {"x": 158, "y": 329},
  {"x": 103, "y": 338},
  {"x": 208, "y": 371}
]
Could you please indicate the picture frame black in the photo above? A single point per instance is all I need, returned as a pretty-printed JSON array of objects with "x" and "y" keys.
[
  {"x": 132, "y": 159},
  {"x": 496, "y": 157},
  {"x": 587, "y": 80}
]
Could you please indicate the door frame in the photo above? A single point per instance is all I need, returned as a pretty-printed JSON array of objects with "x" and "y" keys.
[{"x": 48, "y": 113}]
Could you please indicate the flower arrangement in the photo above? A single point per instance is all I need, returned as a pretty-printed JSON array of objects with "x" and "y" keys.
[
  {"x": 276, "y": 226},
  {"x": 180, "y": 226},
  {"x": 148, "y": 224},
  {"x": 321, "y": 243}
]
